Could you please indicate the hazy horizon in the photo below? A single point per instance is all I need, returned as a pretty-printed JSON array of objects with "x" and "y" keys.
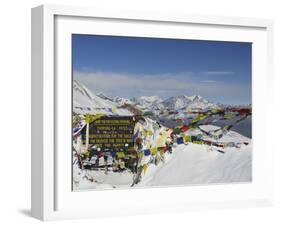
[{"x": 163, "y": 98}]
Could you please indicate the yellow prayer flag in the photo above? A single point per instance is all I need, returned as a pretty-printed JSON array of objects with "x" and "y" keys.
[
  {"x": 187, "y": 139},
  {"x": 114, "y": 109},
  {"x": 120, "y": 154},
  {"x": 154, "y": 151},
  {"x": 145, "y": 167},
  {"x": 140, "y": 154}
]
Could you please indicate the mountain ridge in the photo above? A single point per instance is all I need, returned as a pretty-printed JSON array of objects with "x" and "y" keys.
[{"x": 88, "y": 101}]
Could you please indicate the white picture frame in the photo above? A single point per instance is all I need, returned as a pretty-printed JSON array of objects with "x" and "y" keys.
[{"x": 52, "y": 197}]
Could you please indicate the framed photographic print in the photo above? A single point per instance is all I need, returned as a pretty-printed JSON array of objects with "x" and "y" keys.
[{"x": 148, "y": 111}]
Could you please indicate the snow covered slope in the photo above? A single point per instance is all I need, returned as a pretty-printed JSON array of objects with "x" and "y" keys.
[
  {"x": 84, "y": 101},
  {"x": 203, "y": 164},
  {"x": 195, "y": 164}
]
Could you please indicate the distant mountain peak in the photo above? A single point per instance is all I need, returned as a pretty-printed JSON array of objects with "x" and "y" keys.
[
  {"x": 196, "y": 97},
  {"x": 150, "y": 99},
  {"x": 183, "y": 101},
  {"x": 149, "y": 102}
]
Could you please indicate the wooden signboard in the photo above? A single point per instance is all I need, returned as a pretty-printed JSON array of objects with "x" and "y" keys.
[{"x": 112, "y": 132}]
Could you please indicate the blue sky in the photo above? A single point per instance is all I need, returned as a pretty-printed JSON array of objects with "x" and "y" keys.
[{"x": 133, "y": 67}]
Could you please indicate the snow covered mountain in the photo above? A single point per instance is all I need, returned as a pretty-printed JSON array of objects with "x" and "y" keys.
[
  {"x": 84, "y": 101},
  {"x": 149, "y": 103},
  {"x": 176, "y": 103},
  {"x": 187, "y": 102},
  {"x": 122, "y": 101}
]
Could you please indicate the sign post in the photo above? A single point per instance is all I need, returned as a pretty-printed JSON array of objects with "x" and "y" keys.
[{"x": 112, "y": 132}]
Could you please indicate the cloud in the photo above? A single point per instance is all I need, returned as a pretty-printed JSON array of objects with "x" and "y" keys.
[
  {"x": 163, "y": 85},
  {"x": 208, "y": 81},
  {"x": 131, "y": 85},
  {"x": 218, "y": 72}
]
